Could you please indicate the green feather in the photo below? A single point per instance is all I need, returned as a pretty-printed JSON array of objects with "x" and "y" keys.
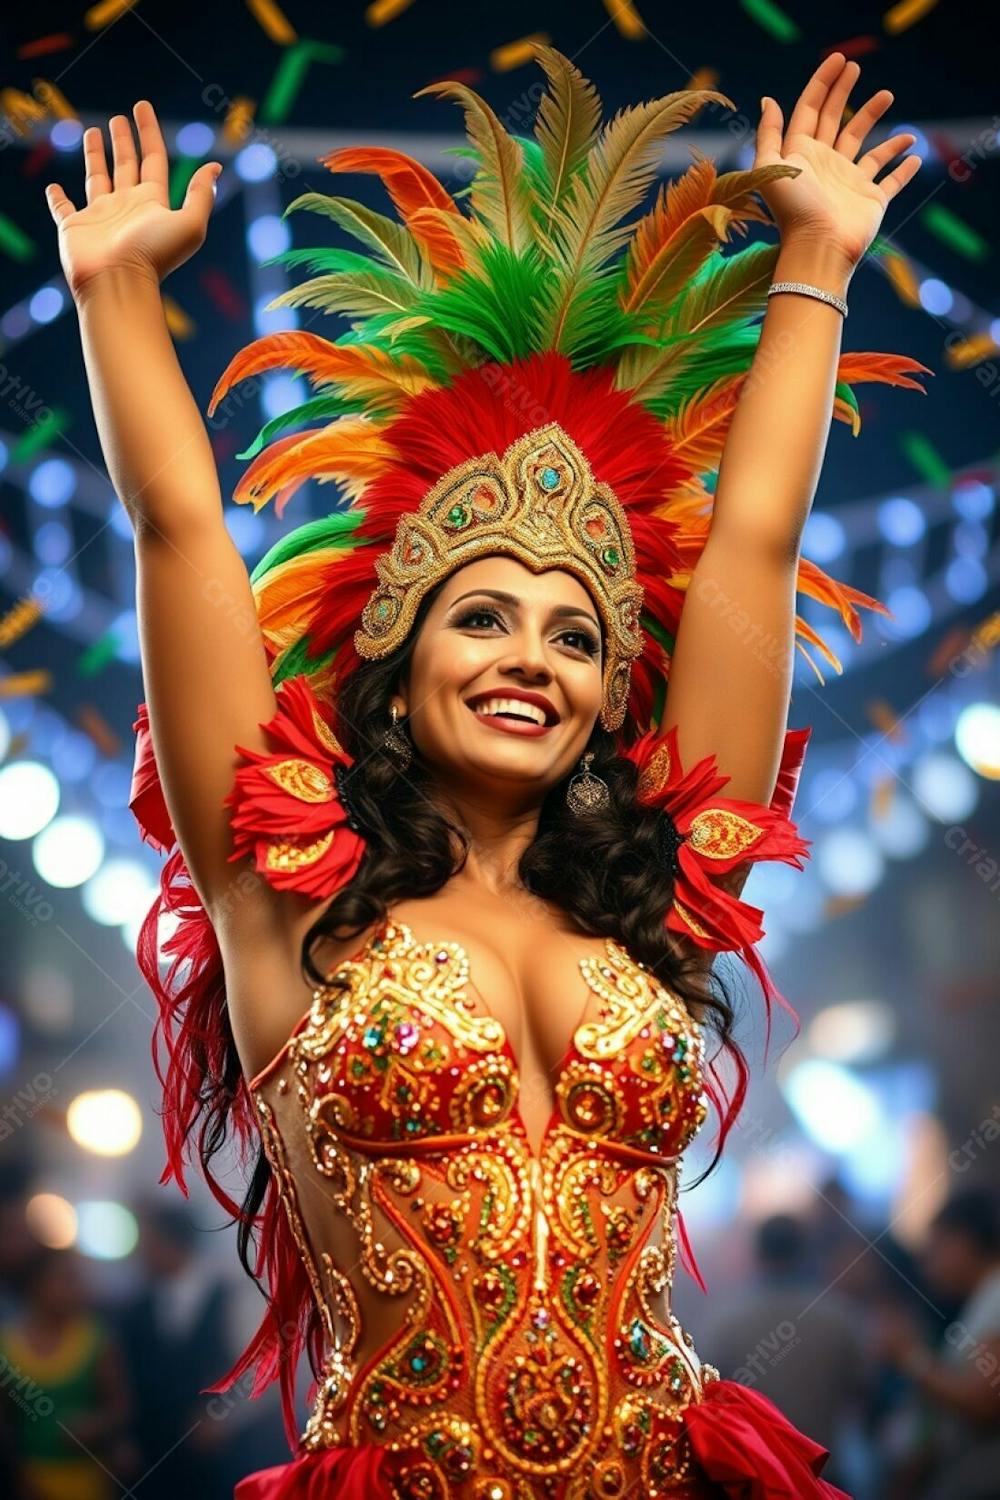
[
  {"x": 334, "y": 531},
  {"x": 309, "y": 411}
]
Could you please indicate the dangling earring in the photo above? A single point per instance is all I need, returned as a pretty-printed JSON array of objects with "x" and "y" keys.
[
  {"x": 587, "y": 792},
  {"x": 396, "y": 744}
]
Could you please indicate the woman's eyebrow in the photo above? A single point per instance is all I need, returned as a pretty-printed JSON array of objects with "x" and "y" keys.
[{"x": 561, "y": 610}]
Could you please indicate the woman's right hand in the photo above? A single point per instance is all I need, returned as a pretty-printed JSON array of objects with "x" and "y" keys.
[{"x": 128, "y": 224}]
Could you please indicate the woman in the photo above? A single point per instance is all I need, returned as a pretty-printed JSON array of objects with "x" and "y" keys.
[{"x": 459, "y": 782}]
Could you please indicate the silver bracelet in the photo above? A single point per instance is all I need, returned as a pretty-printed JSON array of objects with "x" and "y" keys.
[{"x": 809, "y": 291}]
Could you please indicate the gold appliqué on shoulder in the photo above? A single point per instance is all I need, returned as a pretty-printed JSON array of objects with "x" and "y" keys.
[
  {"x": 718, "y": 833},
  {"x": 302, "y": 779}
]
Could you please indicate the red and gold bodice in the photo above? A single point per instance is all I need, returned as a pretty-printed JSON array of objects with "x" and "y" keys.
[{"x": 498, "y": 1319}]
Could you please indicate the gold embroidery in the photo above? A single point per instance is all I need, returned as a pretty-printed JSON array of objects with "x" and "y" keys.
[
  {"x": 282, "y": 855},
  {"x": 302, "y": 779},
  {"x": 655, "y": 774},
  {"x": 720, "y": 834}
]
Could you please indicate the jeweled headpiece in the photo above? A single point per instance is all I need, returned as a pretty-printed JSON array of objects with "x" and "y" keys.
[
  {"x": 472, "y": 334},
  {"x": 537, "y": 502}
]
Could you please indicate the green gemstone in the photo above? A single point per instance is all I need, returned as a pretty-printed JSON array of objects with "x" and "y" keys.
[
  {"x": 458, "y": 516},
  {"x": 549, "y": 478},
  {"x": 611, "y": 556}
]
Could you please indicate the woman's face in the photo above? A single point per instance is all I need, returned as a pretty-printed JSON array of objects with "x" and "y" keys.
[{"x": 495, "y": 631}]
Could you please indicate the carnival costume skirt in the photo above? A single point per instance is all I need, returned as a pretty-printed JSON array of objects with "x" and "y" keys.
[{"x": 743, "y": 1446}]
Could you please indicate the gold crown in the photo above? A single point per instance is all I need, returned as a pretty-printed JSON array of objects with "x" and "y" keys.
[{"x": 538, "y": 503}]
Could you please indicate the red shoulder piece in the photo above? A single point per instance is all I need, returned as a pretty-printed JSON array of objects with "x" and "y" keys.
[{"x": 286, "y": 806}]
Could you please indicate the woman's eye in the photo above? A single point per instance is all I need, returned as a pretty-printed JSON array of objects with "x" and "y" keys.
[{"x": 586, "y": 642}]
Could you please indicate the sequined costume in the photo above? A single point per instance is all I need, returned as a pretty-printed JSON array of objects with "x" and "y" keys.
[{"x": 484, "y": 1321}]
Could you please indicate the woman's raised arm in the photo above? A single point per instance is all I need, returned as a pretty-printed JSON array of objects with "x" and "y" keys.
[
  {"x": 731, "y": 671},
  {"x": 205, "y": 671}
]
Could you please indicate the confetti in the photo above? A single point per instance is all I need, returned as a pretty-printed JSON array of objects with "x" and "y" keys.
[
  {"x": 705, "y": 78},
  {"x": 948, "y": 650},
  {"x": 18, "y": 620},
  {"x": 626, "y": 18},
  {"x": 516, "y": 54},
  {"x": 289, "y": 75},
  {"x": 53, "y": 99},
  {"x": 274, "y": 21},
  {"x": 21, "y": 111},
  {"x": 857, "y": 46},
  {"x": 381, "y": 11},
  {"x": 26, "y": 684},
  {"x": 971, "y": 351},
  {"x": 97, "y": 729},
  {"x": 104, "y": 12},
  {"x": 907, "y": 13},
  {"x": 97, "y": 656},
  {"x": 471, "y": 76},
  {"x": 56, "y": 41},
  {"x": 14, "y": 242},
  {"x": 884, "y": 717},
  {"x": 925, "y": 458},
  {"x": 178, "y": 322},
  {"x": 239, "y": 120},
  {"x": 41, "y": 435},
  {"x": 882, "y": 797},
  {"x": 839, "y": 906},
  {"x": 903, "y": 277},
  {"x": 224, "y": 295},
  {"x": 954, "y": 231},
  {"x": 773, "y": 19}
]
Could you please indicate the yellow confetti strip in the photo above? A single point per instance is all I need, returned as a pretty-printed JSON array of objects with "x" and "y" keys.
[
  {"x": 18, "y": 621},
  {"x": 180, "y": 325},
  {"x": 907, "y": 13},
  {"x": 705, "y": 78},
  {"x": 53, "y": 99},
  {"x": 903, "y": 277},
  {"x": 626, "y": 18},
  {"x": 20, "y": 110},
  {"x": 274, "y": 21},
  {"x": 963, "y": 355},
  {"x": 238, "y": 121},
  {"x": 104, "y": 12},
  {"x": 381, "y": 11},
  {"x": 839, "y": 906},
  {"x": 25, "y": 684},
  {"x": 516, "y": 54}
]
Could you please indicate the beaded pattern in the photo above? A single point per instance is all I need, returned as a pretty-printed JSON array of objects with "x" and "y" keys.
[{"x": 536, "y": 1352}]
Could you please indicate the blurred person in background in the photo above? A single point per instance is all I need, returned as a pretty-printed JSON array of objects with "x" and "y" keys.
[
  {"x": 66, "y": 1406},
  {"x": 175, "y": 1334},
  {"x": 958, "y": 1381},
  {"x": 790, "y": 1337}
]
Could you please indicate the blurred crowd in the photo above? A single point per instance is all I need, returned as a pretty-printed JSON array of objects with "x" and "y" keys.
[{"x": 890, "y": 1359}]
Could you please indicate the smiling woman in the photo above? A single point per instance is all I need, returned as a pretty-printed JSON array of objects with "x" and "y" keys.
[{"x": 462, "y": 817}]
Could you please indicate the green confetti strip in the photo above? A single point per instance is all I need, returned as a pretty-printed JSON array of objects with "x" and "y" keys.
[
  {"x": 773, "y": 19},
  {"x": 288, "y": 77},
  {"x": 925, "y": 458},
  {"x": 97, "y": 656},
  {"x": 955, "y": 232},
  {"x": 40, "y": 436},
  {"x": 181, "y": 173},
  {"x": 14, "y": 242}
]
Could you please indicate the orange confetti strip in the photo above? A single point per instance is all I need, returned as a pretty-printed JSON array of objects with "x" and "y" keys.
[
  {"x": 705, "y": 78},
  {"x": 839, "y": 906},
  {"x": 18, "y": 620},
  {"x": 884, "y": 717},
  {"x": 180, "y": 325},
  {"x": 970, "y": 351},
  {"x": 855, "y": 46},
  {"x": 26, "y": 684},
  {"x": 105, "y": 11},
  {"x": 516, "y": 54},
  {"x": 381, "y": 11},
  {"x": 273, "y": 20},
  {"x": 56, "y": 41},
  {"x": 882, "y": 798},
  {"x": 953, "y": 644},
  {"x": 97, "y": 728},
  {"x": 902, "y": 277},
  {"x": 906, "y": 14},
  {"x": 54, "y": 99},
  {"x": 239, "y": 120},
  {"x": 626, "y": 18}
]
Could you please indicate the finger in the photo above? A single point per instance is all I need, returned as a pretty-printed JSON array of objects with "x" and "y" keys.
[
  {"x": 95, "y": 166},
  {"x": 850, "y": 138},
  {"x": 904, "y": 173},
  {"x": 60, "y": 206},
  {"x": 123, "y": 148},
  {"x": 880, "y": 156},
  {"x": 769, "y": 129},
  {"x": 200, "y": 195},
  {"x": 832, "y": 113},
  {"x": 806, "y": 112},
  {"x": 155, "y": 166}
]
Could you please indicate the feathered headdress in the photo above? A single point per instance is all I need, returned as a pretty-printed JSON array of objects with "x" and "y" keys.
[
  {"x": 511, "y": 345},
  {"x": 472, "y": 328}
]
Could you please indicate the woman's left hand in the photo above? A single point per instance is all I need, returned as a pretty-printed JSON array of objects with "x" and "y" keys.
[{"x": 835, "y": 199}]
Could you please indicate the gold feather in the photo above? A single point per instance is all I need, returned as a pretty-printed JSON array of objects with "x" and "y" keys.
[{"x": 566, "y": 125}]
